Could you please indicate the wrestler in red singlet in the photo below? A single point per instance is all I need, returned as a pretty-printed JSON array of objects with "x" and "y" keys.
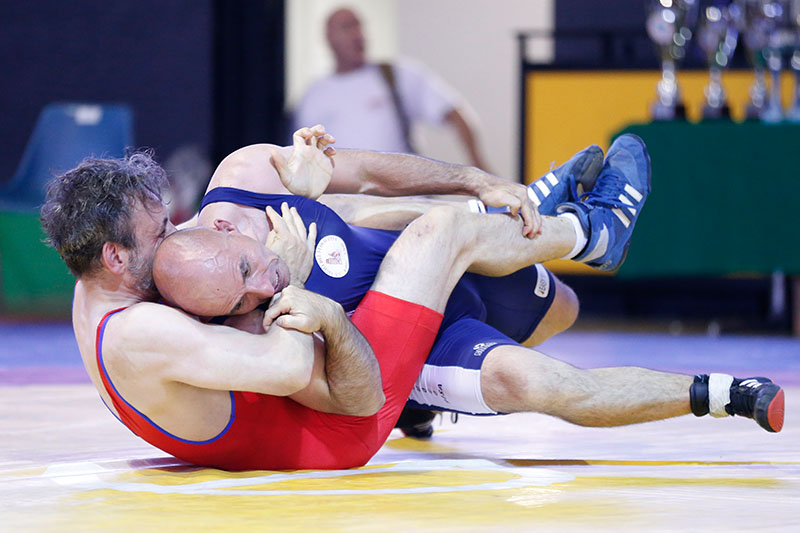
[{"x": 276, "y": 433}]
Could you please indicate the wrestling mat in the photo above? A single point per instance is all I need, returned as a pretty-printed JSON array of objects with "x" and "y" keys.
[{"x": 67, "y": 465}]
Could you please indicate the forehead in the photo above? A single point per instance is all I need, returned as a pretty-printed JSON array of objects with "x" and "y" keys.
[{"x": 343, "y": 19}]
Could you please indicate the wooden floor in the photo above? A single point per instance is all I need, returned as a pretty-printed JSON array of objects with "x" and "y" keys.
[{"x": 66, "y": 464}]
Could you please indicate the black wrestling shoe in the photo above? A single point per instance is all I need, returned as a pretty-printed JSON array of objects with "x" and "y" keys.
[
  {"x": 759, "y": 399},
  {"x": 417, "y": 423}
]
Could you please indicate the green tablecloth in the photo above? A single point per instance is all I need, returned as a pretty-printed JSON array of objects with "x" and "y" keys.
[
  {"x": 723, "y": 200},
  {"x": 33, "y": 278}
]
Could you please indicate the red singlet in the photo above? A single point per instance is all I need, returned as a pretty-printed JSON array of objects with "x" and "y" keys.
[{"x": 276, "y": 433}]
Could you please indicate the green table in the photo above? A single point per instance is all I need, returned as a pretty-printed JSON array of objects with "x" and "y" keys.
[
  {"x": 33, "y": 279},
  {"x": 724, "y": 200}
]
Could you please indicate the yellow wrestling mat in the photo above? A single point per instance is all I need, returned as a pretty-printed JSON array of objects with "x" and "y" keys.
[{"x": 67, "y": 465}]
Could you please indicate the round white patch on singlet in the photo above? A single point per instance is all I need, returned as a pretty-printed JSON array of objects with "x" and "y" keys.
[{"x": 331, "y": 256}]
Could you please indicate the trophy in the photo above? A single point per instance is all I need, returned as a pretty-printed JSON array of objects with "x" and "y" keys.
[
  {"x": 669, "y": 24},
  {"x": 717, "y": 37},
  {"x": 779, "y": 39},
  {"x": 755, "y": 28},
  {"x": 794, "y": 22}
]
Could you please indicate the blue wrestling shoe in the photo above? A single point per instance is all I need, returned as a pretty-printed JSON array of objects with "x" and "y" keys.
[
  {"x": 608, "y": 213},
  {"x": 565, "y": 183}
]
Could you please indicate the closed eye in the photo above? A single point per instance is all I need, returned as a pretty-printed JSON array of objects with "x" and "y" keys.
[{"x": 244, "y": 268}]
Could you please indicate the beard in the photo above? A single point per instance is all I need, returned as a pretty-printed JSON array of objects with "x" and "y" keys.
[{"x": 142, "y": 271}]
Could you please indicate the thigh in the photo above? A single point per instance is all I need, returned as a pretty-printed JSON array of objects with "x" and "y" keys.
[
  {"x": 450, "y": 379},
  {"x": 401, "y": 335}
]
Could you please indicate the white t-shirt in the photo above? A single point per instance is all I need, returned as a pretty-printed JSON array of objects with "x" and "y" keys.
[{"x": 357, "y": 107}]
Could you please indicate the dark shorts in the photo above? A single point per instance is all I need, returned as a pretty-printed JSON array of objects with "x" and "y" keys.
[{"x": 482, "y": 314}]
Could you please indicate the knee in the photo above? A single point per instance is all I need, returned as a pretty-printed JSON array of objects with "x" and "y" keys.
[
  {"x": 567, "y": 306},
  {"x": 437, "y": 220},
  {"x": 505, "y": 387}
]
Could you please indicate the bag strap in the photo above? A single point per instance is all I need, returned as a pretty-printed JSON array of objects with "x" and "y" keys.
[{"x": 388, "y": 75}]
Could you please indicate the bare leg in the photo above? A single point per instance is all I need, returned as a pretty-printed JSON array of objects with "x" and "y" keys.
[
  {"x": 430, "y": 256},
  {"x": 561, "y": 316},
  {"x": 394, "y": 213},
  {"x": 515, "y": 379}
]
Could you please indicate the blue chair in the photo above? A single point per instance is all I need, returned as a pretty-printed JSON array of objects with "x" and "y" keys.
[
  {"x": 33, "y": 279},
  {"x": 65, "y": 134}
]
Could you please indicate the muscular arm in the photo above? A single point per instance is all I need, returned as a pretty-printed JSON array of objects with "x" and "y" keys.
[
  {"x": 347, "y": 380},
  {"x": 390, "y": 174},
  {"x": 256, "y": 168},
  {"x": 346, "y": 376},
  {"x": 173, "y": 347}
]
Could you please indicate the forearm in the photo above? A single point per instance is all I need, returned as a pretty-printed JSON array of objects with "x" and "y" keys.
[
  {"x": 353, "y": 373},
  {"x": 390, "y": 174}
]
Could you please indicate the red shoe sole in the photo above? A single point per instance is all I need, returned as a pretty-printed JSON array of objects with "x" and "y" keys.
[{"x": 775, "y": 412}]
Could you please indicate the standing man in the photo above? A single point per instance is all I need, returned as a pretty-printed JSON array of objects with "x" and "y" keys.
[{"x": 373, "y": 106}]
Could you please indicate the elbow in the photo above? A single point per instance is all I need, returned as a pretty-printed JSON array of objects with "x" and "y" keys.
[
  {"x": 377, "y": 403},
  {"x": 369, "y": 406},
  {"x": 295, "y": 379}
]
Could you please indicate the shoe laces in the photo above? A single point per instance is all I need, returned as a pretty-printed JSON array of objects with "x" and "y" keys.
[{"x": 607, "y": 190}]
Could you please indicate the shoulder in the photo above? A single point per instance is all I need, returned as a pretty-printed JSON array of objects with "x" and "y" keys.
[
  {"x": 406, "y": 66},
  {"x": 249, "y": 168},
  {"x": 151, "y": 328}
]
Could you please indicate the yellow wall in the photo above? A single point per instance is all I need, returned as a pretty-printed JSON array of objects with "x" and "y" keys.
[{"x": 568, "y": 110}]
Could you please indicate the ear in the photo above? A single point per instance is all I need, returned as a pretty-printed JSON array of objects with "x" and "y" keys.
[
  {"x": 225, "y": 226},
  {"x": 114, "y": 257}
]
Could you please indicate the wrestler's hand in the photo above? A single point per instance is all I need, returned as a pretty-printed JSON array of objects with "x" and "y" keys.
[
  {"x": 288, "y": 238},
  {"x": 310, "y": 167},
  {"x": 500, "y": 193},
  {"x": 301, "y": 310},
  {"x": 252, "y": 322}
]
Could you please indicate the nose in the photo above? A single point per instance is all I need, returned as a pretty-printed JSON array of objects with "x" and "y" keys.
[
  {"x": 262, "y": 293},
  {"x": 261, "y": 287}
]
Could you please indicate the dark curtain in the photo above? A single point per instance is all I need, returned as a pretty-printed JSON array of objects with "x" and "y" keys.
[{"x": 248, "y": 74}]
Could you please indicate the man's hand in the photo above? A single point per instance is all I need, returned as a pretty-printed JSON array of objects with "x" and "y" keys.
[
  {"x": 302, "y": 310},
  {"x": 308, "y": 170},
  {"x": 500, "y": 193},
  {"x": 288, "y": 238}
]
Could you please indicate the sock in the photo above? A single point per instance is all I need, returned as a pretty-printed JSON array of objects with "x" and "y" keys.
[
  {"x": 476, "y": 206},
  {"x": 580, "y": 236}
]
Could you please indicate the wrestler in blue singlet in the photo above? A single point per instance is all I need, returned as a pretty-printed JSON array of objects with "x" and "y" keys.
[{"x": 482, "y": 312}]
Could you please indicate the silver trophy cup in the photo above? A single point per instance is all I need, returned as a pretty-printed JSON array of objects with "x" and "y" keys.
[
  {"x": 755, "y": 28},
  {"x": 669, "y": 25},
  {"x": 779, "y": 40},
  {"x": 793, "y": 114},
  {"x": 717, "y": 36}
]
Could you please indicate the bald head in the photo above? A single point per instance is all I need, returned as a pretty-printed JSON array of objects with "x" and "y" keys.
[
  {"x": 210, "y": 272},
  {"x": 346, "y": 40},
  {"x": 184, "y": 266}
]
